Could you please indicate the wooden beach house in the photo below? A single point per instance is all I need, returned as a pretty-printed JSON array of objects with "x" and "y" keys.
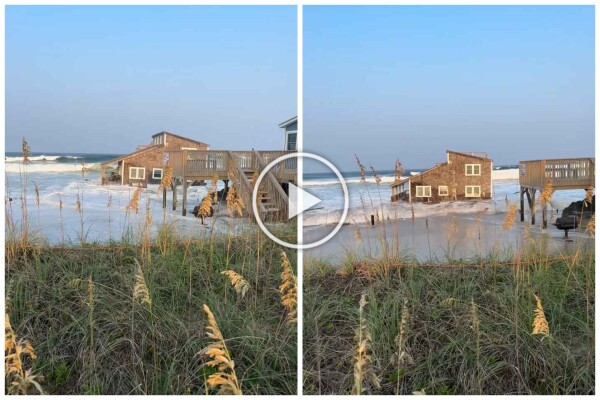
[
  {"x": 291, "y": 133},
  {"x": 146, "y": 164},
  {"x": 464, "y": 176},
  {"x": 560, "y": 173},
  {"x": 192, "y": 161}
]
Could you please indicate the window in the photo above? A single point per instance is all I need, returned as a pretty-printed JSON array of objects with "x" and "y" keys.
[
  {"x": 291, "y": 141},
  {"x": 472, "y": 169},
  {"x": 472, "y": 191},
  {"x": 423, "y": 191},
  {"x": 157, "y": 173},
  {"x": 137, "y": 173},
  {"x": 443, "y": 190}
]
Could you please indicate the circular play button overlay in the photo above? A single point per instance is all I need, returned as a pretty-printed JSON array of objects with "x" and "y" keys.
[{"x": 299, "y": 201}]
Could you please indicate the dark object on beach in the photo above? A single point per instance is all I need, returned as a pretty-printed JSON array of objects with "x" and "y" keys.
[
  {"x": 565, "y": 223},
  {"x": 198, "y": 183},
  {"x": 114, "y": 177},
  {"x": 196, "y": 210},
  {"x": 222, "y": 194},
  {"x": 578, "y": 208},
  {"x": 372, "y": 219}
]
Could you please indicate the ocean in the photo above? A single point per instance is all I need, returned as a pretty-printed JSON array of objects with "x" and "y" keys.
[
  {"x": 58, "y": 178},
  {"x": 369, "y": 198}
]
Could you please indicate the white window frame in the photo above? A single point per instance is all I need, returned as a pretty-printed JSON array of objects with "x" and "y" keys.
[
  {"x": 425, "y": 191},
  {"x": 157, "y": 169},
  {"x": 472, "y": 190},
  {"x": 443, "y": 191},
  {"x": 136, "y": 169},
  {"x": 473, "y": 167}
]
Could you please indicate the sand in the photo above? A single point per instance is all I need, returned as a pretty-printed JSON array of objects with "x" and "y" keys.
[{"x": 458, "y": 236}]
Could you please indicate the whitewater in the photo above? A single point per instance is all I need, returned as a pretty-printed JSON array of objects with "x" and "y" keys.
[
  {"x": 59, "y": 179},
  {"x": 370, "y": 198}
]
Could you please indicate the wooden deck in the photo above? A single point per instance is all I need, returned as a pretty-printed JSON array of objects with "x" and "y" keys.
[
  {"x": 564, "y": 173},
  {"x": 238, "y": 168}
]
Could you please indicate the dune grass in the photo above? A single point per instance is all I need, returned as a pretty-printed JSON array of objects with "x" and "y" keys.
[
  {"x": 466, "y": 330},
  {"x": 129, "y": 319},
  {"x": 516, "y": 321}
]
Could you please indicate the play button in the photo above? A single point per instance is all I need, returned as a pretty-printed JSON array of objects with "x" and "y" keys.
[
  {"x": 299, "y": 201},
  {"x": 296, "y": 193}
]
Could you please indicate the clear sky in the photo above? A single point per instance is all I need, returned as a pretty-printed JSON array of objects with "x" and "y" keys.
[
  {"x": 390, "y": 82},
  {"x": 104, "y": 79}
]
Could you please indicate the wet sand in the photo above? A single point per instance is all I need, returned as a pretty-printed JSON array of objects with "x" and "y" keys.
[{"x": 437, "y": 238}]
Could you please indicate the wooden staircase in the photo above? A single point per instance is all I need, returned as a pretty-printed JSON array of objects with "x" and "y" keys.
[{"x": 239, "y": 168}]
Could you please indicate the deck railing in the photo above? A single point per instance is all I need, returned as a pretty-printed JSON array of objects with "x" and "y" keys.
[
  {"x": 567, "y": 173},
  {"x": 238, "y": 166},
  {"x": 271, "y": 186}
]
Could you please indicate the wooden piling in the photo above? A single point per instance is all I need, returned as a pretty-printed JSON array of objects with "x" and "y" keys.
[
  {"x": 174, "y": 195},
  {"x": 184, "y": 200},
  {"x": 522, "y": 196}
]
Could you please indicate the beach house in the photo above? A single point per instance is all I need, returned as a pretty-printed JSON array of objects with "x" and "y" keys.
[
  {"x": 464, "y": 176},
  {"x": 291, "y": 133},
  {"x": 146, "y": 164}
]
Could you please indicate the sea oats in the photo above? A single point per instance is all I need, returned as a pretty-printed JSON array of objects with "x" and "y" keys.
[
  {"x": 37, "y": 193},
  {"x": 288, "y": 290},
  {"x": 26, "y": 151},
  {"x": 78, "y": 208},
  {"x": 540, "y": 324},
  {"x": 363, "y": 170},
  {"x": 363, "y": 363},
  {"x": 140, "y": 288},
  {"x": 357, "y": 236},
  {"x": 546, "y": 194},
  {"x": 238, "y": 282},
  {"x": 591, "y": 226},
  {"x": 225, "y": 380},
  {"x": 167, "y": 178},
  {"x": 377, "y": 178},
  {"x": 509, "y": 219},
  {"x": 398, "y": 170},
  {"x": 134, "y": 203},
  {"x": 19, "y": 380},
  {"x": 589, "y": 194}
]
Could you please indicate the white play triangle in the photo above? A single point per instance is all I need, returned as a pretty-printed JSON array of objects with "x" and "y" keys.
[{"x": 308, "y": 200}]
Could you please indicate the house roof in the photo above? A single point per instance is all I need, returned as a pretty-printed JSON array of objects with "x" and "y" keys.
[
  {"x": 480, "y": 156},
  {"x": 135, "y": 153},
  {"x": 178, "y": 136},
  {"x": 401, "y": 181},
  {"x": 288, "y": 122}
]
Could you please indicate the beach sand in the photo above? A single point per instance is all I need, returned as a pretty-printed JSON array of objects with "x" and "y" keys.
[{"x": 439, "y": 237}]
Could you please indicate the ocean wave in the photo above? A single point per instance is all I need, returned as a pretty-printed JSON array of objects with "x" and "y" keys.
[
  {"x": 55, "y": 167},
  {"x": 402, "y": 211},
  {"x": 497, "y": 175},
  {"x": 40, "y": 158}
]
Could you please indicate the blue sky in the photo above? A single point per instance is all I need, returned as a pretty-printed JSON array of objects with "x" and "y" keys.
[
  {"x": 390, "y": 82},
  {"x": 104, "y": 79}
]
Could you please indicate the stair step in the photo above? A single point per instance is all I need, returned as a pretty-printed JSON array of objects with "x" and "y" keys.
[{"x": 272, "y": 210}]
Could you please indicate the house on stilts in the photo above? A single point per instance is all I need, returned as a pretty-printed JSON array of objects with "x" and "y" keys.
[
  {"x": 562, "y": 174},
  {"x": 192, "y": 161},
  {"x": 464, "y": 176}
]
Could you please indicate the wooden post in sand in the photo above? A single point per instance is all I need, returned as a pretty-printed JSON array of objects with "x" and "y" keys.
[
  {"x": 174, "y": 195},
  {"x": 184, "y": 201},
  {"x": 522, "y": 190},
  {"x": 164, "y": 197}
]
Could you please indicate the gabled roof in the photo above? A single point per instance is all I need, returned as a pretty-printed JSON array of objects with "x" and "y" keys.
[
  {"x": 481, "y": 156},
  {"x": 135, "y": 153},
  {"x": 178, "y": 136},
  {"x": 401, "y": 181},
  {"x": 288, "y": 122}
]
